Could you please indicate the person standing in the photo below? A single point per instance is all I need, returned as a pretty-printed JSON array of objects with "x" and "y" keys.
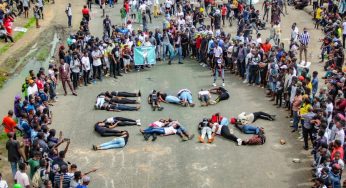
[
  {"x": 107, "y": 24},
  {"x": 36, "y": 11},
  {"x": 89, "y": 2},
  {"x": 304, "y": 40},
  {"x": 297, "y": 101},
  {"x": 343, "y": 33},
  {"x": 75, "y": 68},
  {"x": 86, "y": 68},
  {"x": 178, "y": 48},
  {"x": 3, "y": 183},
  {"x": 40, "y": 4},
  {"x": 9, "y": 124},
  {"x": 64, "y": 71},
  {"x": 97, "y": 64},
  {"x": 26, "y": 8},
  {"x": 13, "y": 153},
  {"x": 68, "y": 12},
  {"x": 21, "y": 177}
]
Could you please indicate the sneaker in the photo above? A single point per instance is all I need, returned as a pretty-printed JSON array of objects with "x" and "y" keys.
[
  {"x": 139, "y": 124},
  {"x": 185, "y": 139},
  {"x": 223, "y": 84},
  {"x": 245, "y": 81},
  {"x": 214, "y": 84},
  {"x": 191, "y": 137},
  {"x": 94, "y": 148},
  {"x": 239, "y": 141},
  {"x": 301, "y": 140}
]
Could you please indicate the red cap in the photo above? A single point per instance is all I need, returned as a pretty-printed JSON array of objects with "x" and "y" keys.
[
  {"x": 301, "y": 78},
  {"x": 233, "y": 120}
]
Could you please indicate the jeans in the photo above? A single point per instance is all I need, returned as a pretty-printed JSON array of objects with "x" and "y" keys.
[
  {"x": 69, "y": 21},
  {"x": 111, "y": 3},
  {"x": 227, "y": 134},
  {"x": 179, "y": 52},
  {"x": 126, "y": 108},
  {"x": 151, "y": 130},
  {"x": 217, "y": 74},
  {"x": 115, "y": 143},
  {"x": 172, "y": 99},
  {"x": 14, "y": 168},
  {"x": 165, "y": 49},
  {"x": 186, "y": 96},
  {"x": 249, "y": 129},
  {"x": 206, "y": 130},
  {"x": 262, "y": 115},
  {"x": 295, "y": 120}
]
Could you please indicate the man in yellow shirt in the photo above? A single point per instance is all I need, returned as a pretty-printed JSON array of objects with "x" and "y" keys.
[{"x": 318, "y": 16}]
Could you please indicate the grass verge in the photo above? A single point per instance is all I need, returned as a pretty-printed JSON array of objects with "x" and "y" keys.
[{"x": 42, "y": 54}]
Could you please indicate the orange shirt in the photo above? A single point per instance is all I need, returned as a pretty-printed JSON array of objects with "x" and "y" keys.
[
  {"x": 9, "y": 123},
  {"x": 266, "y": 47}
]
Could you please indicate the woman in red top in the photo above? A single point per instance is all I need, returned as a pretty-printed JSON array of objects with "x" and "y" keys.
[
  {"x": 127, "y": 7},
  {"x": 86, "y": 13},
  {"x": 223, "y": 13},
  {"x": 8, "y": 22}
]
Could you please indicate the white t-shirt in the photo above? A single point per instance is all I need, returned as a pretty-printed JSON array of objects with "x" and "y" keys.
[
  {"x": 218, "y": 51},
  {"x": 86, "y": 63},
  {"x": 69, "y": 11},
  {"x": 168, "y": 3},
  {"x": 170, "y": 130},
  {"x": 95, "y": 55},
  {"x": 32, "y": 89},
  {"x": 22, "y": 178},
  {"x": 340, "y": 135},
  {"x": 143, "y": 7},
  {"x": 110, "y": 120},
  {"x": 218, "y": 132},
  {"x": 206, "y": 92},
  {"x": 344, "y": 28},
  {"x": 3, "y": 184},
  {"x": 329, "y": 108}
]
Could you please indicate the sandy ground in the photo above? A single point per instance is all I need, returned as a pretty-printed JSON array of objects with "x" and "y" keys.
[{"x": 169, "y": 162}]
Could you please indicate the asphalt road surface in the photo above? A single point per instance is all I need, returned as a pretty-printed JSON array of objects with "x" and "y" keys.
[{"x": 169, "y": 162}]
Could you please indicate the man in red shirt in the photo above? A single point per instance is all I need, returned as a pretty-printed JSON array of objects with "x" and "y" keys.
[
  {"x": 266, "y": 47},
  {"x": 223, "y": 13},
  {"x": 9, "y": 124},
  {"x": 86, "y": 13},
  {"x": 337, "y": 147}
]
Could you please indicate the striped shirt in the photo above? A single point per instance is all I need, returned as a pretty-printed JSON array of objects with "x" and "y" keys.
[
  {"x": 304, "y": 38},
  {"x": 65, "y": 183}
]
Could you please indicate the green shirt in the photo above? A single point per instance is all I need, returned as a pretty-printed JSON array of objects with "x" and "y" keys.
[
  {"x": 34, "y": 165},
  {"x": 122, "y": 12}
]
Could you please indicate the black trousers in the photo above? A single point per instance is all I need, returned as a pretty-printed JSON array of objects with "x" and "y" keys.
[
  {"x": 86, "y": 76},
  {"x": 110, "y": 132},
  {"x": 262, "y": 115},
  {"x": 75, "y": 79},
  {"x": 124, "y": 94},
  {"x": 227, "y": 134},
  {"x": 115, "y": 68},
  {"x": 279, "y": 97},
  {"x": 124, "y": 101},
  {"x": 306, "y": 134},
  {"x": 98, "y": 70},
  {"x": 125, "y": 121}
]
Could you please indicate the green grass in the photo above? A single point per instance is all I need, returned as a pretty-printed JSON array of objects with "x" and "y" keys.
[
  {"x": 19, "y": 35},
  {"x": 42, "y": 54}
]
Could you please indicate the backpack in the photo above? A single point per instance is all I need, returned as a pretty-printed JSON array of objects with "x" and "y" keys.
[{"x": 37, "y": 178}]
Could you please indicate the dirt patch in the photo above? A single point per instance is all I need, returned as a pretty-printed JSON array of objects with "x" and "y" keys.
[{"x": 16, "y": 62}]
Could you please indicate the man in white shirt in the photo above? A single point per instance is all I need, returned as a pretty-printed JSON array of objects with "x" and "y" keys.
[
  {"x": 97, "y": 55},
  {"x": 204, "y": 96},
  {"x": 69, "y": 15},
  {"x": 86, "y": 68},
  {"x": 21, "y": 177},
  {"x": 32, "y": 89},
  {"x": 40, "y": 6}
]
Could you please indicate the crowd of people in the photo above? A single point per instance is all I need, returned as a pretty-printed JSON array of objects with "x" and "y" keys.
[
  {"x": 37, "y": 159},
  {"x": 194, "y": 30}
]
